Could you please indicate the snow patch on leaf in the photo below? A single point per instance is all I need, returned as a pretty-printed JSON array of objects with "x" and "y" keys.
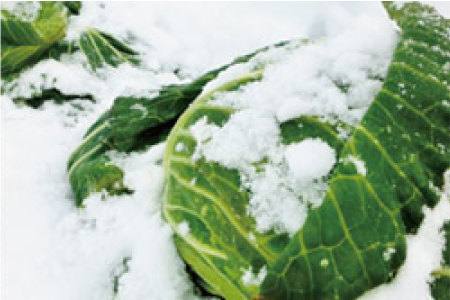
[
  {"x": 358, "y": 163},
  {"x": 310, "y": 159},
  {"x": 250, "y": 278}
]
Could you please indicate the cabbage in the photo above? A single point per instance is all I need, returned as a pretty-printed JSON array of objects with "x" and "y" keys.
[
  {"x": 348, "y": 207},
  {"x": 389, "y": 167}
]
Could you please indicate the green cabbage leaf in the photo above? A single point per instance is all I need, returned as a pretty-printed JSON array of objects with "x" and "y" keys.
[
  {"x": 101, "y": 48},
  {"x": 24, "y": 42}
]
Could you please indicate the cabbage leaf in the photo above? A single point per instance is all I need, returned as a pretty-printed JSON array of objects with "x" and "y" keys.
[
  {"x": 101, "y": 48},
  {"x": 25, "y": 42}
]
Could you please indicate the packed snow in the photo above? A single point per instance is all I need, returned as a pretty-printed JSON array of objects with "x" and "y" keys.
[
  {"x": 52, "y": 250},
  {"x": 310, "y": 159}
]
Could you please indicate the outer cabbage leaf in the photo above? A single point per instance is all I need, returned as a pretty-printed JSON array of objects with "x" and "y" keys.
[
  {"x": 404, "y": 141},
  {"x": 23, "y": 43},
  {"x": 124, "y": 128},
  {"x": 102, "y": 48}
]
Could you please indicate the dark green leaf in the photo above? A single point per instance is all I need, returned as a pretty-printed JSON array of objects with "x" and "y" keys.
[
  {"x": 50, "y": 94},
  {"x": 73, "y": 6},
  {"x": 101, "y": 48}
]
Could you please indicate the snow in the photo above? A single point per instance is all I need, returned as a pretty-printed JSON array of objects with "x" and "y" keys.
[
  {"x": 324, "y": 263},
  {"x": 249, "y": 278},
  {"x": 51, "y": 250},
  {"x": 139, "y": 107},
  {"x": 387, "y": 255},
  {"x": 180, "y": 147},
  {"x": 306, "y": 80},
  {"x": 310, "y": 159},
  {"x": 183, "y": 228},
  {"x": 358, "y": 163},
  {"x": 243, "y": 140},
  {"x": 164, "y": 31},
  {"x": 25, "y": 11}
]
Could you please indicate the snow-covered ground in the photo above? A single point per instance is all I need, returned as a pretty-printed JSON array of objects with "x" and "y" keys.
[{"x": 52, "y": 251}]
